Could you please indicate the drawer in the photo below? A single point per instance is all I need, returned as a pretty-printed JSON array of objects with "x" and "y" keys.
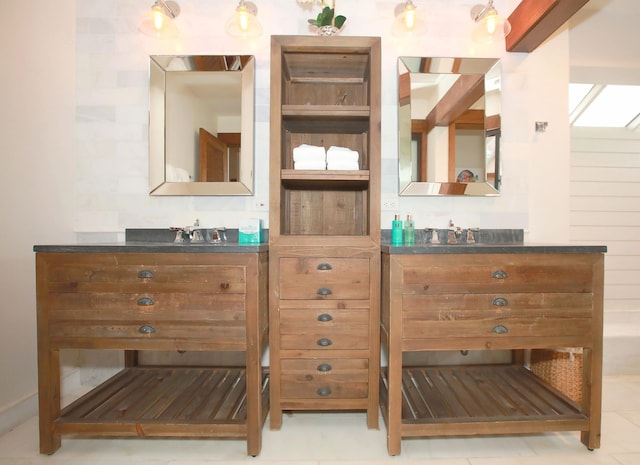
[
  {"x": 324, "y": 328},
  {"x": 324, "y": 378},
  {"x": 497, "y": 273},
  {"x": 91, "y": 307},
  {"x": 496, "y": 315},
  {"x": 135, "y": 273},
  {"x": 138, "y": 334},
  {"x": 324, "y": 278}
]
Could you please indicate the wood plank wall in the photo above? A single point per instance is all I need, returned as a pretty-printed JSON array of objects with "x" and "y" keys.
[{"x": 605, "y": 207}]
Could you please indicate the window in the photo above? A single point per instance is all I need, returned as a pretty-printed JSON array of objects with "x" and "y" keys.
[{"x": 610, "y": 106}]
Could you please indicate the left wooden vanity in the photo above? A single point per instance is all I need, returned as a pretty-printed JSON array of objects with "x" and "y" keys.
[{"x": 154, "y": 297}]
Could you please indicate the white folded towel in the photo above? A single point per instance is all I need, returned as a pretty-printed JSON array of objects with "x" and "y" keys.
[
  {"x": 343, "y": 165},
  {"x": 309, "y": 165},
  {"x": 306, "y": 152},
  {"x": 342, "y": 154}
]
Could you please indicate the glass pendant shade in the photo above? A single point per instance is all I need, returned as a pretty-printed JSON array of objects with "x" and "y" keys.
[
  {"x": 158, "y": 22},
  {"x": 244, "y": 23},
  {"x": 490, "y": 26},
  {"x": 407, "y": 22}
]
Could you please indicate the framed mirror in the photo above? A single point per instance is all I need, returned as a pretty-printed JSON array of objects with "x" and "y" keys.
[
  {"x": 449, "y": 126},
  {"x": 201, "y": 124}
]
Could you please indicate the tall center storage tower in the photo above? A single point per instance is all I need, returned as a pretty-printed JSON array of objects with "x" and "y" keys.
[{"x": 324, "y": 227}]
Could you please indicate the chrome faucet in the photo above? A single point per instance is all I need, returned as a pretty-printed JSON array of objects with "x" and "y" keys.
[{"x": 218, "y": 235}]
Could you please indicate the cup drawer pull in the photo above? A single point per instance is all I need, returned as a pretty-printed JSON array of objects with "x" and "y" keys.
[
  {"x": 324, "y": 317},
  {"x": 500, "y": 302},
  {"x": 499, "y": 274},
  {"x": 324, "y": 291},
  {"x": 146, "y": 329},
  {"x": 324, "y": 342},
  {"x": 324, "y": 367},
  {"x": 145, "y": 301},
  {"x": 500, "y": 329},
  {"x": 324, "y": 391},
  {"x": 324, "y": 267},
  {"x": 145, "y": 274}
]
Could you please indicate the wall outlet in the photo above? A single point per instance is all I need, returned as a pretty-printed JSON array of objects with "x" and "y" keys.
[
  {"x": 261, "y": 205},
  {"x": 390, "y": 204}
]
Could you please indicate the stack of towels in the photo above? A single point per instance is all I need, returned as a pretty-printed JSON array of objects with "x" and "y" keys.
[
  {"x": 311, "y": 157},
  {"x": 341, "y": 158}
]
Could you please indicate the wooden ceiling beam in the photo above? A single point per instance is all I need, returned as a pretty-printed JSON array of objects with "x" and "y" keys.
[{"x": 533, "y": 21}]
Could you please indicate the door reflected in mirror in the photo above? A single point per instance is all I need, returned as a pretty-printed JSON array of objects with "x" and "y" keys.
[
  {"x": 201, "y": 113},
  {"x": 449, "y": 126}
]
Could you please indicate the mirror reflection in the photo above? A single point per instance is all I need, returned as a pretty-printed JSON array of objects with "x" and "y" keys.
[
  {"x": 201, "y": 124},
  {"x": 449, "y": 126}
]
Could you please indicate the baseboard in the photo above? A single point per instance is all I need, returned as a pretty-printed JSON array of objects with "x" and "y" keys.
[{"x": 27, "y": 407}]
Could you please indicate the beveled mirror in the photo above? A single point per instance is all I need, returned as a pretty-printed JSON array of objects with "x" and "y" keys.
[
  {"x": 201, "y": 113},
  {"x": 449, "y": 126}
]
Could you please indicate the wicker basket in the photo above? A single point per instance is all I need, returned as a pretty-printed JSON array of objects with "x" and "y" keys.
[{"x": 562, "y": 369}]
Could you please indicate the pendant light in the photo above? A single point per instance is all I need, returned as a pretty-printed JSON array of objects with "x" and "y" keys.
[
  {"x": 407, "y": 22},
  {"x": 243, "y": 22},
  {"x": 490, "y": 26},
  {"x": 158, "y": 22}
]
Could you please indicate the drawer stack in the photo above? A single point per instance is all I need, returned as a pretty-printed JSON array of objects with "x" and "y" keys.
[
  {"x": 321, "y": 326},
  {"x": 496, "y": 301}
]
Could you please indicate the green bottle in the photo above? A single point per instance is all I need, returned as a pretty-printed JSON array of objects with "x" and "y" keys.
[
  {"x": 396, "y": 231},
  {"x": 409, "y": 231}
]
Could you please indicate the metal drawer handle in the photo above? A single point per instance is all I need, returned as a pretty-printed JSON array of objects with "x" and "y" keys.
[
  {"x": 146, "y": 329},
  {"x": 500, "y": 329},
  {"x": 324, "y": 367},
  {"x": 324, "y": 391},
  {"x": 324, "y": 317},
  {"x": 324, "y": 291},
  {"x": 500, "y": 302},
  {"x": 145, "y": 274},
  {"x": 324, "y": 266},
  {"x": 145, "y": 301},
  {"x": 324, "y": 342},
  {"x": 500, "y": 274}
]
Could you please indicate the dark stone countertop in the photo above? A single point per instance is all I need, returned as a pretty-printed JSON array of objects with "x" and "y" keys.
[
  {"x": 419, "y": 249},
  {"x": 154, "y": 247}
]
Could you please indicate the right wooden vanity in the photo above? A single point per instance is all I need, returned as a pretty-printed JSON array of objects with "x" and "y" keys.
[{"x": 489, "y": 297}]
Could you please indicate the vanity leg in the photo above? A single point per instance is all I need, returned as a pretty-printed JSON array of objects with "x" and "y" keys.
[
  {"x": 592, "y": 398},
  {"x": 131, "y": 358},
  {"x": 48, "y": 398}
]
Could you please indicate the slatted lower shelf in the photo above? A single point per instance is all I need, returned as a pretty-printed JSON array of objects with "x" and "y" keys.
[
  {"x": 481, "y": 399},
  {"x": 165, "y": 401}
]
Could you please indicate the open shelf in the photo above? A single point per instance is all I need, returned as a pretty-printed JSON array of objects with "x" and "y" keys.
[
  {"x": 480, "y": 399},
  {"x": 165, "y": 401}
]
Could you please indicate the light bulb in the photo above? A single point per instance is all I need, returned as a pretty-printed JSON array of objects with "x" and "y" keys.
[
  {"x": 243, "y": 19},
  {"x": 491, "y": 24},
  {"x": 158, "y": 17},
  {"x": 410, "y": 17}
]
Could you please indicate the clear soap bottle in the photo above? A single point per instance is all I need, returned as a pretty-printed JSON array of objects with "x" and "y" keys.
[{"x": 409, "y": 231}]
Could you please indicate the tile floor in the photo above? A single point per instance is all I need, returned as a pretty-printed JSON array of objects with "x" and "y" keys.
[{"x": 343, "y": 439}]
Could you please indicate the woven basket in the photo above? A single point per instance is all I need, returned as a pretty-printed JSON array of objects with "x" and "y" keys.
[{"x": 562, "y": 369}]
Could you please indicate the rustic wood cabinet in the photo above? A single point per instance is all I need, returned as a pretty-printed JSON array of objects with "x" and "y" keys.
[
  {"x": 324, "y": 227},
  {"x": 484, "y": 301},
  {"x": 135, "y": 301}
]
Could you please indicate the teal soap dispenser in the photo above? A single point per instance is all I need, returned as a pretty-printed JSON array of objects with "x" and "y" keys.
[{"x": 396, "y": 231}]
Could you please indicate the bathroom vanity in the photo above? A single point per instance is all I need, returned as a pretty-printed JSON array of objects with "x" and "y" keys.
[
  {"x": 489, "y": 297},
  {"x": 154, "y": 297}
]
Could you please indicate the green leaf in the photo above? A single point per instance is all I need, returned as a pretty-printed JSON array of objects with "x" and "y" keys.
[
  {"x": 325, "y": 17},
  {"x": 340, "y": 21}
]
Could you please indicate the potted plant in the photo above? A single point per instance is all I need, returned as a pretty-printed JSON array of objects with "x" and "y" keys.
[{"x": 327, "y": 23}]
